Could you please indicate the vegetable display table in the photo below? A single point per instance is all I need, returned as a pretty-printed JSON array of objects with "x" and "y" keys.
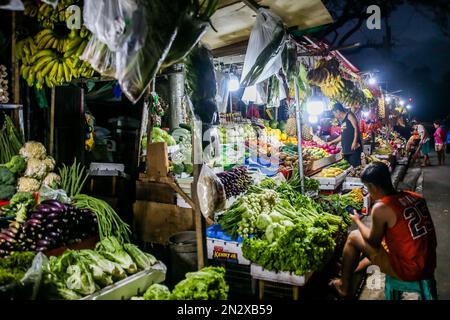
[{"x": 134, "y": 285}]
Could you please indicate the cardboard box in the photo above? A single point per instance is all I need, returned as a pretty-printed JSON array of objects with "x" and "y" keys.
[
  {"x": 158, "y": 159},
  {"x": 226, "y": 251}
]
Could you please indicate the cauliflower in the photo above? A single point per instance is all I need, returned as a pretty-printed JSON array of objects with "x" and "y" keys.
[
  {"x": 52, "y": 180},
  {"x": 28, "y": 185},
  {"x": 36, "y": 169},
  {"x": 33, "y": 149},
  {"x": 49, "y": 163}
]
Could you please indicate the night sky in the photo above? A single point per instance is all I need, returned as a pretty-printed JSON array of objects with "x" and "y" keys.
[{"x": 419, "y": 62}]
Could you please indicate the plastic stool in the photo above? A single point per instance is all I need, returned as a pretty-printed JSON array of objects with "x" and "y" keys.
[{"x": 425, "y": 288}]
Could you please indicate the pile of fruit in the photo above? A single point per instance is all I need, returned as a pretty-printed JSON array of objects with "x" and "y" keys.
[
  {"x": 331, "y": 172},
  {"x": 330, "y": 149},
  {"x": 316, "y": 153},
  {"x": 51, "y": 57},
  {"x": 343, "y": 164}
]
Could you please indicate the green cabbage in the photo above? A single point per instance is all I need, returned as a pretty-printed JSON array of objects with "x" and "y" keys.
[
  {"x": 157, "y": 292},
  {"x": 263, "y": 221}
]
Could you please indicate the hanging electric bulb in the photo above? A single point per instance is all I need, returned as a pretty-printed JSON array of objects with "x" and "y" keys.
[{"x": 233, "y": 83}]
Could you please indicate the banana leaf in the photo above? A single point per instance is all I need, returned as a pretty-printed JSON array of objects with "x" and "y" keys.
[
  {"x": 193, "y": 26},
  {"x": 140, "y": 67},
  {"x": 201, "y": 84}
]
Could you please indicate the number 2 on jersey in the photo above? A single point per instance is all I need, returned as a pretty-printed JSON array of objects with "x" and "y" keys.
[{"x": 417, "y": 223}]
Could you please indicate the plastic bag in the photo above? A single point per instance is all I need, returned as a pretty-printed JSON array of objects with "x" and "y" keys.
[
  {"x": 113, "y": 22},
  {"x": 223, "y": 92},
  {"x": 33, "y": 277},
  {"x": 100, "y": 57},
  {"x": 47, "y": 193},
  {"x": 13, "y": 5},
  {"x": 210, "y": 192},
  {"x": 263, "y": 56}
]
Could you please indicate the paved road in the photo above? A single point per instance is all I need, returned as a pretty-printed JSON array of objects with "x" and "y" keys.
[{"x": 436, "y": 191}]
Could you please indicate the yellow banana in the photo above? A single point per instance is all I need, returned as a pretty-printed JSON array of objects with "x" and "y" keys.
[
  {"x": 42, "y": 43},
  {"x": 24, "y": 70},
  {"x": 81, "y": 49},
  {"x": 42, "y": 33},
  {"x": 54, "y": 70},
  {"x": 48, "y": 82},
  {"x": 67, "y": 74},
  {"x": 41, "y": 63},
  {"x": 55, "y": 43},
  {"x": 74, "y": 43},
  {"x": 60, "y": 73},
  {"x": 47, "y": 68}
]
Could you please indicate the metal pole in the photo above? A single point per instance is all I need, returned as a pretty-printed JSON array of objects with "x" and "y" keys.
[{"x": 298, "y": 117}]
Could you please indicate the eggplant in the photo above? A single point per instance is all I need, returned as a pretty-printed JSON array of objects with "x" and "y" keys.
[
  {"x": 43, "y": 243},
  {"x": 9, "y": 233},
  {"x": 55, "y": 204},
  {"x": 37, "y": 216},
  {"x": 32, "y": 247},
  {"x": 49, "y": 226},
  {"x": 7, "y": 238},
  {"x": 54, "y": 234},
  {"x": 40, "y": 249},
  {"x": 34, "y": 222}
]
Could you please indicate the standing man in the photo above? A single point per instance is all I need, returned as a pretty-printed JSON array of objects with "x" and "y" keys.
[
  {"x": 440, "y": 139},
  {"x": 402, "y": 239},
  {"x": 350, "y": 135}
]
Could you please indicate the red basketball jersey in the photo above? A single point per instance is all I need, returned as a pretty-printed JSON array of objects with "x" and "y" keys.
[{"x": 412, "y": 241}]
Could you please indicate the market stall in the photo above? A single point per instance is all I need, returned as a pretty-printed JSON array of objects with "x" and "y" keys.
[{"x": 203, "y": 156}]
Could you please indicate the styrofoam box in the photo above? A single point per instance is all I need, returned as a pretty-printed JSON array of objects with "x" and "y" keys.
[
  {"x": 229, "y": 251},
  {"x": 330, "y": 183},
  {"x": 257, "y": 272}
]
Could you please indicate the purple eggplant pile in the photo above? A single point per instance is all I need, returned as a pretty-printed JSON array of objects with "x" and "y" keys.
[
  {"x": 235, "y": 181},
  {"x": 51, "y": 224}
]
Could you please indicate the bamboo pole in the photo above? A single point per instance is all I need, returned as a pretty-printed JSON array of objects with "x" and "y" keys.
[{"x": 298, "y": 118}]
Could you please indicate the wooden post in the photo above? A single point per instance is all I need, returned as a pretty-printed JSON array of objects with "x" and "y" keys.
[
  {"x": 15, "y": 75},
  {"x": 52, "y": 124}
]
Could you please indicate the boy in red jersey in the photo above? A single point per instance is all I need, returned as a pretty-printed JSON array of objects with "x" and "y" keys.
[{"x": 402, "y": 238}]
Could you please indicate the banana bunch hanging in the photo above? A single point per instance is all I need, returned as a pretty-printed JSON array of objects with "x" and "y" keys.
[
  {"x": 51, "y": 57},
  {"x": 327, "y": 76},
  {"x": 46, "y": 14}
]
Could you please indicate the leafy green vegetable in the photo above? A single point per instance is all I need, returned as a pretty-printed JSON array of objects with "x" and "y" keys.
[
  {"x": 19, "y": 205},
  {"x": 206, "y": 284},
  {"x": 111, "y": 249},
  {"x": 143, "y": 260},
  {"x": 7, "y": 184},
  {"x": 16, "y": 165},
  {"x": 157, "y": 292},
  {"x": 302, "y": 248},
  {"x": 14, "y": 267}
]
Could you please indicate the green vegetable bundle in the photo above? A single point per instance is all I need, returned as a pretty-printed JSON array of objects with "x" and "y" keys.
[
  {"x": 73, "y": 178},
  {"x": 206, "y": 284},
  {"x": 301, "y": 248},
  {"x": 10, "y": 140},
  {"x": 75, "y": 274},
  {"x": 109, "y": 223},
  {"x": 14, "y": 267}
]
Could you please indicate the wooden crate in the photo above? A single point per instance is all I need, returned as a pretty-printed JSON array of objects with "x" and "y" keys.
[
  {"x": 155, "y": 192},
  {"x": 155, "y": 222}
]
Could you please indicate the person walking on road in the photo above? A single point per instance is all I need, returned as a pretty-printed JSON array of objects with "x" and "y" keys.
[
  {"x": 440, "y": 137},
  {"x": 424, "y": 145},
  {"x": 402, "y": 239},
  {"x": 350, "y": 135}
]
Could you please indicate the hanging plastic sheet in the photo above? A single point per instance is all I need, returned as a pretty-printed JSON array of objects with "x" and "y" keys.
[
  {"x": 115, "y": 22},
  {"x": 265, "y": 46},
  {"x": 13, "y": 5},
  {"x": 223, "y": 91}
]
